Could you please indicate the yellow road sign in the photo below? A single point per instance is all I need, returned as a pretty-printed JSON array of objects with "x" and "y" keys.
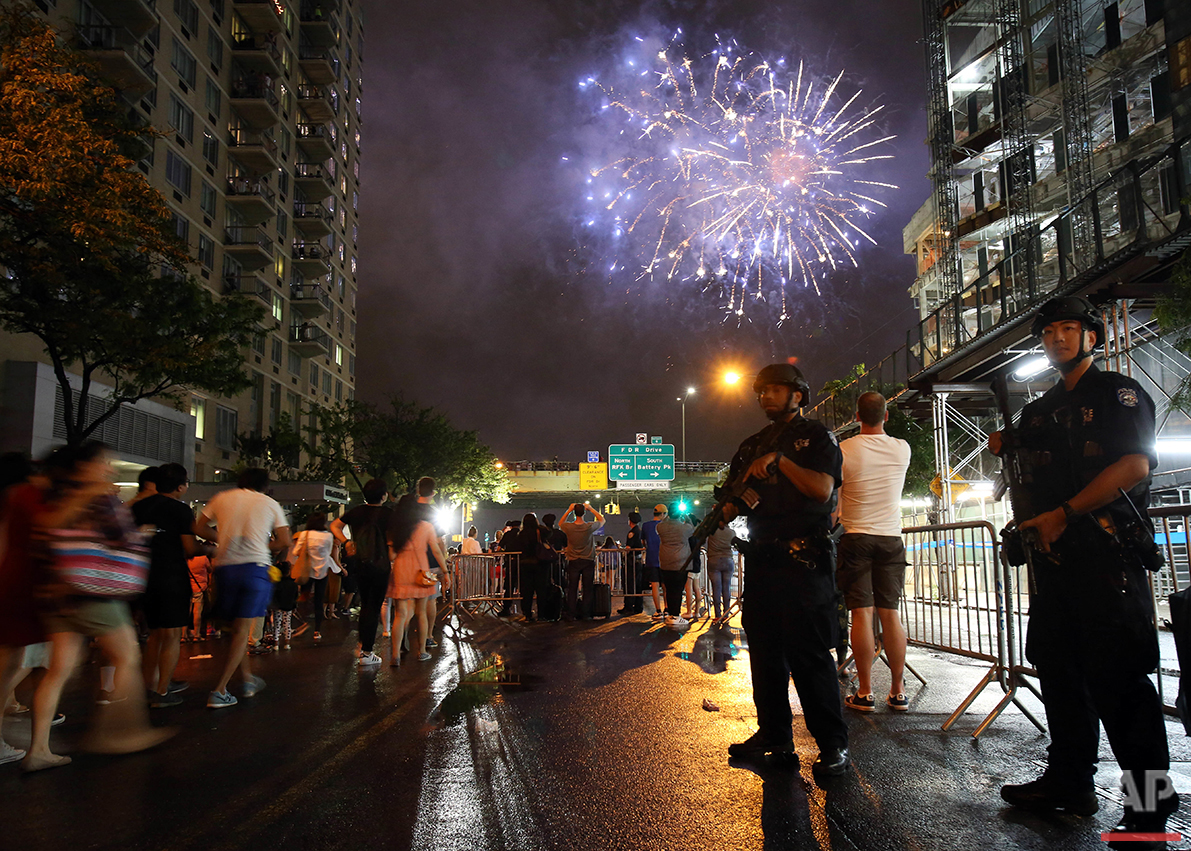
[{"x": 593, "y": 477}]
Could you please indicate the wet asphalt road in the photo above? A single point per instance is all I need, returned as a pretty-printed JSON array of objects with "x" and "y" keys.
[{"x": 604, "y": 744}]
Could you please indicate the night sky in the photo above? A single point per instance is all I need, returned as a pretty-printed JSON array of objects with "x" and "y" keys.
[{"x": 476, "y": 296}]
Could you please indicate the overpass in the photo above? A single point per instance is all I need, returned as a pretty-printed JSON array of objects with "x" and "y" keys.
[{"x": 556, "y": 483}]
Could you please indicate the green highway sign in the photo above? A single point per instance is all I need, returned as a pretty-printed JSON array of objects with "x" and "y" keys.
[{"x": 628, "y": 462}]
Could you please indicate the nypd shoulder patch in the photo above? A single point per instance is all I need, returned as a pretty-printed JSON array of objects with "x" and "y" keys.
[{"x": 1127, "y": 396}]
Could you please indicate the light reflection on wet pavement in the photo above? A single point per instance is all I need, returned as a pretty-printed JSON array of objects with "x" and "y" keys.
[{"x": 597, "y": 739}]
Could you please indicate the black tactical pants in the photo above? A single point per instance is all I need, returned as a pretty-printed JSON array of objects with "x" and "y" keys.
[
  {"x": 790, "y": 619},
  {"x": 1091, "y": 638}
]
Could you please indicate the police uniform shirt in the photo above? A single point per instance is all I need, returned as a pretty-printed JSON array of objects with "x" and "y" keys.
[
  {"x": 784, "y": 511},
  {"x": 1076, "y": 434}
]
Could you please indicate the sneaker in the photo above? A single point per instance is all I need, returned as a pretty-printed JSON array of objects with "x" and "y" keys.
[
  {"x": 384, "y": 635},
  {"x": 218, "y": 700},
  {"x": 161, "y": 701},
  {"x": 286, "y": 647},
  {"x": 318, "y": 636},
  {"x": 861, "y": 702},
  {"x": 253, "y": 686},
  {"x": 658, "y": 616},
  {"x": 423, "y": 657},
  {"x": 678, "y": 623},
  {"x": 15, "y": 708},
  {"x": 8, "y": 753},
  {"x": 430, "y": 642},
  {"x": 1044, "y": 795},
  {"x": 368, "y": 659},
  {"x": 898, "y": 701},
  {"x": 177, "y": 686},
  {"x": 59, "y": 718}
]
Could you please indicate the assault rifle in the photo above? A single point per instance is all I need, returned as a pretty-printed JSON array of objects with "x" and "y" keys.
[
  {"x": 1017, "y": 469},
  {"x": 730, "y": 491}
]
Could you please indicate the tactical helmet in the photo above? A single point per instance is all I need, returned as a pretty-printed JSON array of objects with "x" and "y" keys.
[
  {"x": 1075, "y": 308},
  {"x": 783, "y": 373}
]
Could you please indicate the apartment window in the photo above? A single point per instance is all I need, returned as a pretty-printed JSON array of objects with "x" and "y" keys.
[
  {"x": 206, "y": 251},
  {"x": 282, "y": 181},
  {"x": 181, "y": 118},
  {"x": 210, "y": 147},
  {"x": 198, "y": 410},
  {"x": 182, "y": 227},
  {"x": 295, "y": 363},
  {"x": 338, "y": 390},
  {"x": 277, "y": 308},
  {"x": 327, "y": 383},
  {"x": 187, "y": 13},
  {"x": 339, "y": 287},
  {"x": 258, "y": 343},
  {"x": 282, "y": 224},
  {"x": 314, "y": 375},
  {"x": 353, "y": 259},
  {"x": 214, "y": 97},
  {"x": 184, "y": 63},
  {"x": 226, "y": 426},
  {"x": 339, "y": 327},
  {"x": 214, "y": 48},
  {"x": 351, "y": 364},
  {"x": 217, "y": 8},
  {"x": 277, "y": 351},
  {"x": 1120, "y": 117},
  {"x": 207, "y": 199},
  {"x": 352, "y": 332},
  {"x": 338, "y": 355},
  {"x": 177, "y": 172}
]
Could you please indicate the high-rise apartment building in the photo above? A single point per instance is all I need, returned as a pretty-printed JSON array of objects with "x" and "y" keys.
[{"x": 260, "y": 164}]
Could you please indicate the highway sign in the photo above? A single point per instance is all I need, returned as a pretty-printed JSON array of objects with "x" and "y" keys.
[
  {"x": 657, "y": 438},
  {"x": 641, "y": 438},
  {"x": 626, "y": 485},
  {"x": 629, "y": 462},
  {"x": 593, "y": 477},
  {"x": 593, "y": 457}
]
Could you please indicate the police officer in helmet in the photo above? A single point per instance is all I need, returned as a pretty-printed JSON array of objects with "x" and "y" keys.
[
  {"x": 1091, "y": 635},
  {"x": 794, "y": 467}
]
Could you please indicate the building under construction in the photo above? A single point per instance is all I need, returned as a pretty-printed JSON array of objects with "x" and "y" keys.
[{"x": 1060, "y": 138}]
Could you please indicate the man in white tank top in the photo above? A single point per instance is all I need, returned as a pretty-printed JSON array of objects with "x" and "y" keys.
[{"x": 872, "y": 557}]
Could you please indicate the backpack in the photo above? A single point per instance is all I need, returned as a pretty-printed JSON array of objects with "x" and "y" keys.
[{"x": 369, "y": 544}]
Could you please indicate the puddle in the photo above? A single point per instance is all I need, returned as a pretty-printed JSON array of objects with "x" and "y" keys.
[{"x": 479, "y": 687}]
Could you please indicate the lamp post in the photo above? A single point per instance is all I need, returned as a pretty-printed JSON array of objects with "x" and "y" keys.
[{"x": 690, "y": 391}]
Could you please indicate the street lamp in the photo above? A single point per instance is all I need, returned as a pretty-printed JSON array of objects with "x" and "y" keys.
[{"x": 690, "y": 391}]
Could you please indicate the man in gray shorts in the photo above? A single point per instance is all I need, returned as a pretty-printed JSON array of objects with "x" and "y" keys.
[{"x": 872, "y": 557}]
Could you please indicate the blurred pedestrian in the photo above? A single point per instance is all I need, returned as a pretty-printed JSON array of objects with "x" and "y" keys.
[
  {"x": 146, "y": 485},
  {"x": 313, "y": 558},
  {"x": 368, "y": 560},
  {"x": 166, "y": 603},
  {"x": 580, "y": 555},
  {"x": 411, "y": 583},
  {"x": 249, "y": 527},
  {"x": 721, "y": 565},
  {"x": 471, "y": 544},
  {"x": 653, "y": 575},
  {"x": 535, "y": 564},
  {"x": 82, "y": 517},
  {"x": 634, "y": 603}
]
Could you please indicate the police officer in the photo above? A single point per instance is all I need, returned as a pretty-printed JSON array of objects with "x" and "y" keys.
[
  {"x": 789, "y": 603},
  {"x": 1091, "y": 631}
]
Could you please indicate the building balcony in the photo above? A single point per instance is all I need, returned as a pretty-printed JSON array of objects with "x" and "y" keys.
[
  {"x": 310, "y": 301},
  {"x": 254, "y": 101},
  {"x": 251, "y": 246},
  {"x": 318, "y": 25},
  {"x": 253, "y": 150},
  {"x": 312, "y": 259},
  {"x": 261, "y": 15},
  {"x": 314, "y": 220},
  {"x": 308, "y": 340},
  {"x": 136, "y": 16},
  {"x": 252, "y": 198},
  {"x": 313, "y": 179},
  {"x": 316, "y": 102},
  {"x": 119, "y": 57},
  {"x": 315, "y": 140},
  {"x": 319, "y": 65},
  {"x": 257, "y": 54},
  {"x": 250, "y": 285}
]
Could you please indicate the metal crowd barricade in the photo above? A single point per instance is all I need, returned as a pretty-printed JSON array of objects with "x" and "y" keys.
[
  {"x": 482, "y": 581},
  {"x": 1172, "y": 523},
  {"x": 615, "y": 568},
  {"x": 957, "y": 600}
]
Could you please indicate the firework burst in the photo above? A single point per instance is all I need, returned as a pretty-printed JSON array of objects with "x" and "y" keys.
[{"x": 748, "y": 178}]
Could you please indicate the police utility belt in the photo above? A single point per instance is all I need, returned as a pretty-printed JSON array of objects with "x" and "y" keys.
[{"x": 807, "y": 552}]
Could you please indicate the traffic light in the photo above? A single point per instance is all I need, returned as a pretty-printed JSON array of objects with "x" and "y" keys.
[{"x": 682, "y": 506}]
